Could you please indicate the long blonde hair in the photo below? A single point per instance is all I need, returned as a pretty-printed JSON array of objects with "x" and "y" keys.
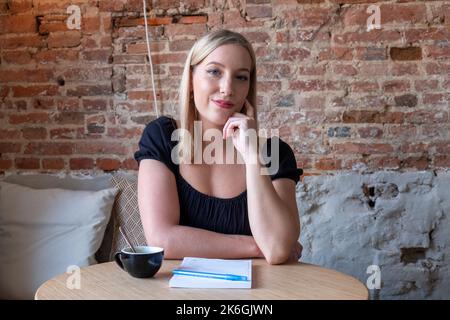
[{"x": 199, "y": 51}]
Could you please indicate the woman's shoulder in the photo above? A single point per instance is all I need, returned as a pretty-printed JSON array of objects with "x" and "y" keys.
[
  {"x": 156, "y": 141},
  {"x": 163, "y": 122},
  {"x": 161, "y": 127},
  {"x": 277, "y": 144},
  {"x": 280, "y": 159}
]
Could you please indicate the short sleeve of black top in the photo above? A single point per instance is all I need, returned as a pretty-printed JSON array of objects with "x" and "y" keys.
[
  {"x": 204, "y": 211},
  {"x": 156, "y": 143}
]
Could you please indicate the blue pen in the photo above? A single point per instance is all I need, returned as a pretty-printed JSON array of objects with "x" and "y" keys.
[{"x": 202, "y": 274}]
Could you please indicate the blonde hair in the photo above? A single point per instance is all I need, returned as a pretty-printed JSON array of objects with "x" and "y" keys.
[{"x": 199, "y": 51}]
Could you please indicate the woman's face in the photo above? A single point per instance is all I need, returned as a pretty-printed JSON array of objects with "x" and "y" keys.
[{"x": 221, "y": 83}]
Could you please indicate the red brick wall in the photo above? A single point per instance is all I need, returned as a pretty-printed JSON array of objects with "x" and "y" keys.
[{"x": 342, "y": 97}]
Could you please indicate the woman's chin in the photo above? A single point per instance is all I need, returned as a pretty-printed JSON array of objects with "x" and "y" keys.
[
  {"x": 220, "y": 118},
  {"x": 220, "y": 122}
]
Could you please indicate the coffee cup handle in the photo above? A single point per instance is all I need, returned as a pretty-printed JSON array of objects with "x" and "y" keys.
[{"x": 117, "y": 258}]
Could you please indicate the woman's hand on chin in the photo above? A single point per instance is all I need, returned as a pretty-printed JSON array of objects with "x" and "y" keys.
[{"x": 240, "y": 126}]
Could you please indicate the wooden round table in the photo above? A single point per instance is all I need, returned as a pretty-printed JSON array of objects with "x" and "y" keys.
[{"x": 269, "y": 282}]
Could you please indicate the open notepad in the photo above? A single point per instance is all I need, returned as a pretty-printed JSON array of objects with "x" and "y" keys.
[{"x": 212, "y": 273}]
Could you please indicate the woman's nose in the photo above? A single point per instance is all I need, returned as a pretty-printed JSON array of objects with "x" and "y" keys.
[{"x": 226, "y": 86}]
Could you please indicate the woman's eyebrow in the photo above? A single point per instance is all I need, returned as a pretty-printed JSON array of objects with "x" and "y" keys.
[{"x": 241, "y": 69}]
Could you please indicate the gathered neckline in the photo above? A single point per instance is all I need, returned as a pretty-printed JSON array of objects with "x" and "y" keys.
[{"x": 238, "y": 197}]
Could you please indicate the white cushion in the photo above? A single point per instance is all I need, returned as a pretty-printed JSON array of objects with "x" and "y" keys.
[{"x": 44, "y": 231}]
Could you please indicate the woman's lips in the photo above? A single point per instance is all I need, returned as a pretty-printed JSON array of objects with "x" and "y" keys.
[{"x": 223, "y": 104}]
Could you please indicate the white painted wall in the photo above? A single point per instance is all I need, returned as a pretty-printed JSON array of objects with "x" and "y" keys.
[{"x": 398, "y": 221}]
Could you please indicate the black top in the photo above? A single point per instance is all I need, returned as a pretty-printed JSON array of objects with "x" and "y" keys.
[{"x": 197, "y": 209}]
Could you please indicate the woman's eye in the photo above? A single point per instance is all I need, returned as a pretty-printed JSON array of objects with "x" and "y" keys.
[
  {"x": 216, "y": 73},
  {"x": 213, "y": 72}
]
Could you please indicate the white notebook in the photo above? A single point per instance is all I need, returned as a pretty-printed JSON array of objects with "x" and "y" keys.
[{"x": 197, "y": 267}]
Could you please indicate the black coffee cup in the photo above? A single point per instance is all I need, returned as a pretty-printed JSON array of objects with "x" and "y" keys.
[{"x": 144, "y": 263}]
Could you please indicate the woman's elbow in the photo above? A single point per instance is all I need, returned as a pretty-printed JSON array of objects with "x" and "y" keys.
[
  {"x": 277, "y": 256},
  {"x": 157, "y": 239},
  {"x": 280, "y": 250},
  {"x": 154, "y": 241},
  {"x": 163, "y": 240}
]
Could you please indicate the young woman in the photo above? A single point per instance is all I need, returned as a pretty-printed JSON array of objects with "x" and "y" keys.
[{"x": 221, "y": 209}]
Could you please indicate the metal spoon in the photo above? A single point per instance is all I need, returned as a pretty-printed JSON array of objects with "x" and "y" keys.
[{"x": 126, "y": 239}]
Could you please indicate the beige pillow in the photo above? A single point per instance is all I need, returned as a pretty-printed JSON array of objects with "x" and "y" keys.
[
  {"x": 45, "y": 231},
  {"x": 126, "y": 214}
]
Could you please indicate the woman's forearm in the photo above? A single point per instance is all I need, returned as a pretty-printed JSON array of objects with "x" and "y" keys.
[
  {"x": 182, "y": 241},
  {"x": 274, "y": 228}
]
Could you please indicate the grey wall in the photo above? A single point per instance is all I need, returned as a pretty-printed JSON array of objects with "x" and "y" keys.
[{"x": 398, "y": 221}]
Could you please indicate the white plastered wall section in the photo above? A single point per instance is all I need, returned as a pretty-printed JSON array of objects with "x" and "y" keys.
[{"x": 397, "y": 221}]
